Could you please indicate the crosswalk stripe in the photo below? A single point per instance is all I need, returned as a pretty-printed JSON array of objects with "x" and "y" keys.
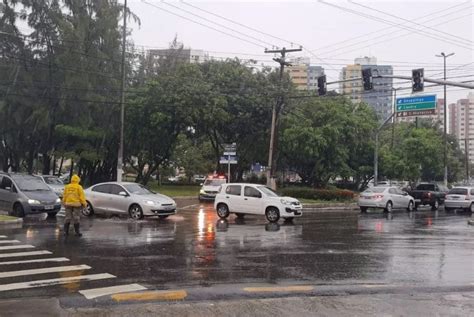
[
  {"x": 19, "y": 254},
  {"x": 98, "y": 292},
  {"x": 12, "y": 247},
  {"x": 35, "y": 261},
  {"x": 9, "y": 241},
  {"x": 54, "y": 281},
  {"x": 45, "y": 270}
]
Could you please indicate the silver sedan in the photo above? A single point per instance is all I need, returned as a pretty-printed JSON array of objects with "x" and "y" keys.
[
  {"x": 387, "y": 198},
  {"x": 127, "y": 198}
]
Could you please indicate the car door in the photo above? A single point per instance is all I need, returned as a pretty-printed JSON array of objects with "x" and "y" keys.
[
  {"x": 7, "y": 193},
  {"x": 404, "y": 198},
  {"x": 99, "y": 196},
  {"x": 395, "y": 197},
  {"x": 233, "y": 197},
  {"x": 252, "y": 200},
  {"x": 117, "y": 203}
]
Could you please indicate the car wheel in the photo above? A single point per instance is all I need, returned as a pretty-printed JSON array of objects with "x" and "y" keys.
[
  {"x": 447, "y": 209},
  {"x": 163, "y": 216},
  {"x": 222, "y": 211},
  {"x": 411, "y": 206},
  {"x": 471, "y": 208},
  {"x": 435, "y": 205},
  {"x": 272, "y": 214},
  {"x": 388, "y": 207},
  {"x": 239, "y": 215},
  {"x": 88, "y": 211},
  {"x": 363, "y": 209},
  {"x": 135, "y": 212},
  {"x": 18, "y": 210}
]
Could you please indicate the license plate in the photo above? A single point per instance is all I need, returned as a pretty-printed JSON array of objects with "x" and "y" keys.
[{"x": 49, "y": 207}]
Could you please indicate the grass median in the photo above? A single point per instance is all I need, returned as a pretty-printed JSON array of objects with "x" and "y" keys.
[
  {"x": 7, "y": 218},
  {"x": 176, "y": 190}
]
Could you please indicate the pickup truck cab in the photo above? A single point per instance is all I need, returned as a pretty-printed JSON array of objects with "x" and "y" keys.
[{"x": 429, "y": 194}]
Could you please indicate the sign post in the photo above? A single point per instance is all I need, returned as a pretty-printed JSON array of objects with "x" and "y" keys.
[{"x": 230, "y": 152}]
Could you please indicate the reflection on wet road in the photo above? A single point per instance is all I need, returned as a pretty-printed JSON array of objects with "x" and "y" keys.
[{"x": 195, "y": 248}]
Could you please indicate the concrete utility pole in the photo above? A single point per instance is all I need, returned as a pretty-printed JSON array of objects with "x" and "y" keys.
[
  {"x": 122, "y": 96},
  {"x": 444, "y": 56},
  {"x": 275, "y": 115}
]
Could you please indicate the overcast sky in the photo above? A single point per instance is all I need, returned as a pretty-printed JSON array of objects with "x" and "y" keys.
[{"x": 330, "y": 36}]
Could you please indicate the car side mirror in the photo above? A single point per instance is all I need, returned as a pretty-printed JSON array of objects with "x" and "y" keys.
[{"x": 122, "y": 193}]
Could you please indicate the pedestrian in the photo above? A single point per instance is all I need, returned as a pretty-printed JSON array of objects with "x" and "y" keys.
[{"x": 73, "y": 200}]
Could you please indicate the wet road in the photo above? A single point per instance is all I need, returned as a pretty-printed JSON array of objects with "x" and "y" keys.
[{"x": 195, "y": 250}]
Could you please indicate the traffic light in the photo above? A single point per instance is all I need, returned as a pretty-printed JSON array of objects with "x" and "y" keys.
[
  {"x": 322, "y": 86},
  {"x": 367, "y": 79},
  {"x": 417, "y": 79}
]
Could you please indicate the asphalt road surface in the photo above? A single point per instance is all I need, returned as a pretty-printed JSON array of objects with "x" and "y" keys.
[{"x": 194, "y": 256}]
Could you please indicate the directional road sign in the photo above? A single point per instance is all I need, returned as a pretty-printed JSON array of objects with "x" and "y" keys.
[
  {"x": 416, "y": 106},
  {"x": 228, "y": 159}
]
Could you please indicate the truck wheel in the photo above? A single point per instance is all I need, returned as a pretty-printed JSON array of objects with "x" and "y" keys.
[{"x": 435, "y": 205}]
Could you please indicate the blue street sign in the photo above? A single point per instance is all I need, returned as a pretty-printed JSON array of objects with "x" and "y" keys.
[{"x": 416, "y": 103}]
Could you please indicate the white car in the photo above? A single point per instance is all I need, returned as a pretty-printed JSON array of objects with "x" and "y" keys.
[
  {"x": 387, "y": 198},
  {"x": 211, "y": 186},
  {"x": 255, "y": 199},
  {"x": 460, "y": 198}
]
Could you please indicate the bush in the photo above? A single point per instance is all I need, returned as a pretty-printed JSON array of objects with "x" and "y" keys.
[{"x": 318, "y": 194}]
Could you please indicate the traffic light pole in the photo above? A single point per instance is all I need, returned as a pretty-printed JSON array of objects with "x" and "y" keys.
[{"x": 376, "y": 150}]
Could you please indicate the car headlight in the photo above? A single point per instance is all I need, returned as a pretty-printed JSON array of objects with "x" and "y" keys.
[
  {"x": 149, "y": 202},
  {"x": 202, "y": 191},
  {"x": 58, "y": 200},
  {"x": 33, "y": 202},
  {"x": 285, "y": 202}
]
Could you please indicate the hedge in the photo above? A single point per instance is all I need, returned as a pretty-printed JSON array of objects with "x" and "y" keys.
[{"x": 318, "y": 194}]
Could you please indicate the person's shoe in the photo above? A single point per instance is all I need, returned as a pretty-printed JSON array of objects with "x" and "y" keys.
[
  {"x": 66, "y": 229},
  {"x": 76, "y": 228}
]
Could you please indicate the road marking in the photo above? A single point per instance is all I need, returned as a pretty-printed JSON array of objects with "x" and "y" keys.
[
  {"x": 36, "y": 261},
  {"x": 11, "y": 247},
  {"x": 3, "y": 237},
  {"x": 152, "y": 295},
  {"x": 45, "y": 270},
  {"x": 9, "y": 241},
  {"x": 377, "y": 285},
  {"x": 279, "y": 289},
  {"x": 98, "y": 292},
  {"x": 18, "y": 254},
  {"x": 54, "y": 281}
]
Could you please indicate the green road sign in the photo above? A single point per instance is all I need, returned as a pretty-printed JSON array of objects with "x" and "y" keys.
[{"x": 416, "y": 103}]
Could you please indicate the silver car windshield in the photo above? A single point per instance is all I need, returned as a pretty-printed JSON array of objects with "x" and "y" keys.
[
  {"x": 267, "y": 191},
  {"x": 375, "y": 190},
  {"x": 137, "y": 189},
  {"x": 52, "y": 180},
  {"x": 30, "y": 183}
]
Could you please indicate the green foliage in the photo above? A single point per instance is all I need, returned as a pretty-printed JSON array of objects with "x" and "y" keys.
[{"x": 318, "y": 194}]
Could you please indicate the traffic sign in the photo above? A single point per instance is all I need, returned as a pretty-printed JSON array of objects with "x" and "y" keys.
[
  {"x": 425, "y": 104},
  {"x": 230, "y": 153},
  {"x": 230, "y": 147},
  {"x": 228, "y": 159}
]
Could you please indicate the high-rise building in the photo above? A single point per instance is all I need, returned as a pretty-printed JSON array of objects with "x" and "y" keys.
[
  {"x": 463, "y": 124},
  {"x": 380, "y": 97},
  {"x": 186, "y": 55},
  {"x": 303, "y": 75}
]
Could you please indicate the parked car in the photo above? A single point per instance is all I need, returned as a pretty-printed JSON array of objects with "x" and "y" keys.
[
  {"x": 460, "y": 198},
  {"x": 22, "y": 194},
  {"x": 386, "y": 198},
  {"x": 127, "y": 198},
  {"x": 255, "y": 199},
  {"x": 53, "y": 182},
  {"x": 211, "y": 186},
  {"x": 429, "y": 194},
  {"x": 199, "y": 178}
]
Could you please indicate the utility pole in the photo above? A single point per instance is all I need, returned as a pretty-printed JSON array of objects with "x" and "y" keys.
[
  {"x": 122, "y": 96},
  {"x": 444, "y": 56},
  {"x": 394, "y": 118},
  {"x": 376, "y": 150},
  {"x": 276, "y": 109}
]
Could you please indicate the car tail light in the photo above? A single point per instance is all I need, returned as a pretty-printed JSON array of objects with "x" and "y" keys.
[
  {"x": 428, "y": 195},
  {"x": 378, "y": 196}
]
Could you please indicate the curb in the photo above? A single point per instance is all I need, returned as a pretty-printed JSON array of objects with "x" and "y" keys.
[
  {"x": 13, "y": 221},
  {"x": 470, "y": 222},
  {"x": 332, "y": 208}
]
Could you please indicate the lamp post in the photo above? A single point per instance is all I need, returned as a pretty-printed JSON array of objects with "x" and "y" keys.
[{"x": 444, "y": 56}]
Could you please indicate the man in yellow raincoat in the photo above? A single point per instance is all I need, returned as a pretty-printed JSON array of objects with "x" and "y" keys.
[{"x": 73, "y": 200}]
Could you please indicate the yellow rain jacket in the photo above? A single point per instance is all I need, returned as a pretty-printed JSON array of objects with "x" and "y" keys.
[{"x": 74, "y": 194}]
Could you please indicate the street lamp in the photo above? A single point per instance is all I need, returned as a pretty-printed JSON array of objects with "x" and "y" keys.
[{"x": 444, "y": 56}]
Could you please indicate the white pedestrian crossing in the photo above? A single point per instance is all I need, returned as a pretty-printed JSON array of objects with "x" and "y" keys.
[
  {"x": 30, "y": 259},
  {"x": 21, "y": 254},
  {"x": 13, "y": 247},
  {"x": 54, "y": 281},
  {"x": 45, "y": 270},
  {"x": 9, "y": 241},
  {"x": 35, "y": 261},
  {"x": 98, "y": 292}
]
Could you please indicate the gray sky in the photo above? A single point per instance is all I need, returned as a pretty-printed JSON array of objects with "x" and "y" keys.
[{"x": 330, "y": 36}]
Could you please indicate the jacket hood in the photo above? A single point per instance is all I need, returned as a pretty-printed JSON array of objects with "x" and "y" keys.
[{"x": 75, "y": 179}]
